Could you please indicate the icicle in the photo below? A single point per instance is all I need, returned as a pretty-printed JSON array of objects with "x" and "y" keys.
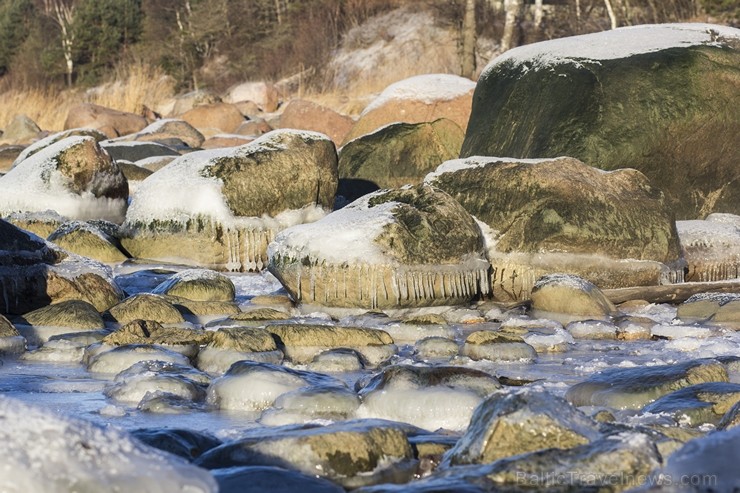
[
  {"x": 299, "y": 287},
  {"x": 395, "y": 286},
  {"x": 373, "y": 288}
]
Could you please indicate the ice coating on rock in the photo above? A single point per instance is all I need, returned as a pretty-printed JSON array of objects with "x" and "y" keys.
[
  {"x": 55, "y": 454},
  {"x": 479, "y": 162},
  {"x": 36, "y": 185},
  {"x": 711, "y": 247},
  {"x": 428, "y": 88},
  {"x": 617, "y": 43}
]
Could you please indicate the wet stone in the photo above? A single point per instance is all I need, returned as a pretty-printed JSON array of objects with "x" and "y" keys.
[
  {"x": 151, "y": 332},
  {"x": 337, "y": 360},
  {"x": 731, "y": 419},
  {"x": 321, "y": 402},
  {"x": 146, "y": 307},
  {"x": 593, "y": 330},
  {"x": 497, "y": 346},
  {"x": 257, "y": 479},
  {"x": 633, "y": 388},
  {"x": 198, "y": 285},
  {"x": 698, "y": 404},
  {"x": 525, "y": 420},
  {"x": 119, "y": 358},
  {"x": 188, "y": 444},
  {"x": 436, "y": 348}
]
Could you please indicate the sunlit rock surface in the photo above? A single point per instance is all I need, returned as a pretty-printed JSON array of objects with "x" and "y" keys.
[
  {"x": 560, "y": 215},
  {"x": 220, "y": 208},
  {"x": 408, "y": 247}
]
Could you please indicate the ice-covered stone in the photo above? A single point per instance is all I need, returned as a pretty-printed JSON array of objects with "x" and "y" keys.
[
  {"x": 560, "y": 215},
  {"x": 337, "y": 360},
  {"x": 50, "y": 453},
  {"x": 435, "y": 348},
  {"x": 633, "y": 388},
  {"x": 497, "y": 346},
  {"x": 407, "y": 247},
  {"x": 351, "y": 453},
  {"x": 140, "y": 331},
  {"x": 228, "y": 345},
  {"x": 253, "y": 386},
  {"x": 119, "y": 358},
  {"x": 165, "y": 130},
  {"x": 711, "y": 249},
  {"x": 256, "y": 479},
  {"x": 88, "y": 240},
  {"x": 524, "y": 420},
  {"x": 146, "y": 307},
  {"x": 697, "y": 404},
  {"x": 198, "y": 285},
  {"x": 710, "y": 307},
  {"x": 220, "y": 208},
  {"x": 428, "y": 397},
  {"x": 73, "y": 177},
  {"x": 593, "y": 329},
  {"x": 570, "y": 295},
  {"x": 330, "y": 403}
]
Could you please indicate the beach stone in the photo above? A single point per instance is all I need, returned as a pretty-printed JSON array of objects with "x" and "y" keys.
[
  {"x": 351, "y": 453},
  {"x": 7, "y": 329},
  {"x": 219, "y": 141},
  {"x": 633, "y": 388},
  {"x": 112, "y": 123},
  {"x": 256, "y": 479},
  {"x": 283, "y": 178},
  {"x": 428, "y": 397},
  {"x": 312, "y": 403},
  {"x": 422, "y": 98},
  {"x": 562, "y": 216},
  {"x": 259, "y": 315},
  {"x": 133, "y": 173},
  {"x": 585, "y": 108},
  {"x": 116, "y": 359},
  {"x": 307, "y": 115},
  {"x": 254, "y": 127},
  {"x": 615, "y": 463},
  {"x": 301, "y": 343},
  {"x": 337, "y": 361},
  {"x": 151, "y": 332},
  {"x": 525, "y": 420},
  {"x": 146, "y": 306},
  {"x": 593, "y": 330},
  {"x": 497, "y": 346},
  {"x": 154, "y": 164},
  {"x": 254, "y": 386},
  {"x": 731, "y": 419},
  {"x": 165, "y": 130},
  {"x": 711, "y": 459},
  {"x": 34, "y": 274},
  {"x": 56, "y": 137},
  {"x": 396, "y": 155},
  {"x": 434, "y": 348},
  {"x": 186, "y": 443},
  {"x": 704, "y": 307},
  {"x": 11, "y": 341},
  {"x": 570, "y": 295},
  {"x": 198, "y": 285},
  {"x": 711, "y": 247},
  {"x": 264, "y": 94},
  {"x": 133, "y": 389},
  {"x": 103, "y": 458},
  {"x": 41, "y": 224},
  {"x": 8, "y": 154},
  {"x": 228, "y": 345},
  {"x": 185, "y": 102},
  {"x": 698, "y": 404},
  {"x": 73, "y": 177},
  {"x": 203, "y": 308},
  {"x": 390, "y": 239},
  {"x": 223, "y": 116},
  {"x": 20, "y": 130},
  {"x": 133, "y": 151},
  {"x": 73, "y": 314},
  {"x": 88, "y": 240}
]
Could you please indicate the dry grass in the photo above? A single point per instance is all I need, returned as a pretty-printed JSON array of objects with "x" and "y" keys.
[{"x": 136, "y": 86}]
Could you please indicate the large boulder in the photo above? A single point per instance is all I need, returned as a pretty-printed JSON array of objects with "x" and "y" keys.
[
  {"x": 88, "y": 240},
  {"x": 73, "y": 177},
  {"x": 220, "y": 116},
  {"x": 563, "y": 216},
  {"x": 307, "y": 115},
  {"x": 396, "y": 155},
  {"x": 20, "y": 130},
  {"x": 264, "y": 94},
  {"x": 54, "y": 138},
  {"x": 423, "y": 98},
  {"x": 711, "y": 247},
  {"x": 664, "y": 99},
  {"x": 34, "y": 274},
  {"x": 408, "y": 247},
  {"x": 220, "y": 208},
  {"x": 112, "y": 123}
]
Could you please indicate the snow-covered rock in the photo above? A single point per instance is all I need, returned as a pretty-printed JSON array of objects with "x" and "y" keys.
[{"x": 220, "y": 208}]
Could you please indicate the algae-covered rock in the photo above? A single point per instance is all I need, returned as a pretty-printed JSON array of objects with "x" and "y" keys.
[
  {"x": 220, "y": 208},
  {"x": 663, "y": 99},
  {"x": 35, "y": 273},
  {"x": 407, "y": 247},
  {"x": 56, "y": 137},
  {"x": 74, "y": 177},
  {"x": 146, "y": 307},
  {"x": 698, "y": 404},
  {"x": 75, "y": 314},
  {"x": 525, "y": 420},
  {"x": 396, "y": 155},
  {"x": 710, "y": 307},
  {"x": 198, "y": 285},
  {"x": 351, "y": 453},
  {"x": 497, "y": 346},
  {"x": 633, "y": 388},
  {"x": 545, "y": 216},
  {"x": 571, "y": 295},
  {"x": 151, "y": 332},
  {"x": 89, "y": 241}
]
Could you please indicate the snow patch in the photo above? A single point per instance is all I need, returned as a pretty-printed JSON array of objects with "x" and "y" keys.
[{"x": 428, "y": 88}]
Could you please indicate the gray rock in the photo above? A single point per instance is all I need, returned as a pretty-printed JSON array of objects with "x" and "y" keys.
[
  {"x": 633, "y": 388},
  {"x": 134, "y": 151},
  {"x": 731, "y": 419},
  {"x": 257, "y": 479},
  {"x": 188, "y": 444},
  {"x": 525, "y": 420}
]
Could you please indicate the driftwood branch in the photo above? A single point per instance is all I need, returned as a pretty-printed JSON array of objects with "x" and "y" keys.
[{"x": 671, "y": 293}]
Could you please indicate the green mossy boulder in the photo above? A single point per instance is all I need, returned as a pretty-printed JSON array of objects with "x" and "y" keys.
[
  {"x": 396, "y": 155},
  {"x": 663, "y": 99}
]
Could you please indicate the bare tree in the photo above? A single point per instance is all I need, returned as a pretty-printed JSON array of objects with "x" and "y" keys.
[
  {"x": 610, "y": 12},
  {"x": 62, "y": 13},
  {"x": 538, "y": 14},
  {"x": 468, "y": 40},
  {"x": 514, "y": 10}
]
